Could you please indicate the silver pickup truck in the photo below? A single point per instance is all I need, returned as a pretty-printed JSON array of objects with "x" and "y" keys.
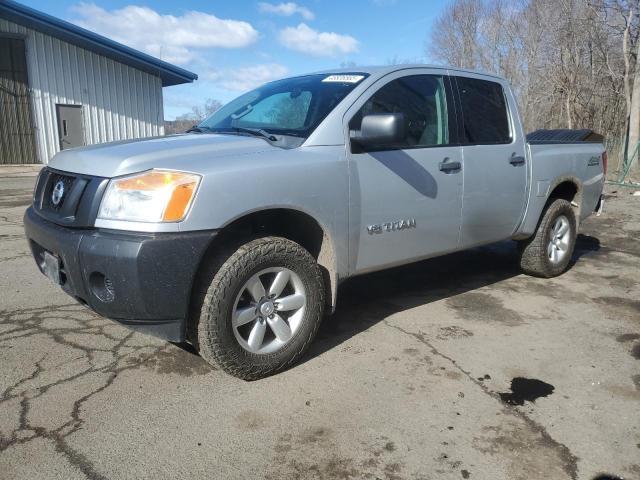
[{"x": 235, "y": 236}]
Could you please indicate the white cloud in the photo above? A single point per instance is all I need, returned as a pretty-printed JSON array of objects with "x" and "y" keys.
[
  {"x": 172, "y": 38},
  {"x": 286, "y": 9},
  {"x": 319, "y": 44},
  {"x": 247, "y": 78}
]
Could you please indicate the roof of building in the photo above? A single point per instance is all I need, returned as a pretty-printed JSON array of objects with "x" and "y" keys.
[{"x": 36, "y": 20}]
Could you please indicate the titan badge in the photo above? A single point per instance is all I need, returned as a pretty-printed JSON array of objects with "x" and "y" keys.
[{"x": 394, "y": 226}]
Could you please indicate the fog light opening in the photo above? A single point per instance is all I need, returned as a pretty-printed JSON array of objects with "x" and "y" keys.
[{"x": 102, "y": 287}]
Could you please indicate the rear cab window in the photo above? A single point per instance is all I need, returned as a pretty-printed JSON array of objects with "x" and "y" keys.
[{"x": 485, "y": 118}]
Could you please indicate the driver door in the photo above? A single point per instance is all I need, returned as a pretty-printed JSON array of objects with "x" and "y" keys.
[{"x": 406, "y": 198}]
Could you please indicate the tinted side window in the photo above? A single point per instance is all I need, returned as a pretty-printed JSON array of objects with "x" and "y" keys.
[
  {"x": 484, "y": 111},
  {"x": 422, "y": 99}
]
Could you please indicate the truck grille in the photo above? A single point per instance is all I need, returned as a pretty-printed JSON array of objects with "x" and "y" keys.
[
  {"x": 55, "y": 180},
  {"x": 68, "y": 199}
]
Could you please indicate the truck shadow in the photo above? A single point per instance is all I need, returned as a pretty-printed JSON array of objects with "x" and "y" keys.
[
  {"x": 411, "y": 171},
  {"x": 367, "y": 300}
]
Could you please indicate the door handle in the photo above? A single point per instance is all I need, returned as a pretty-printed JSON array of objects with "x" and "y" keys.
[
  {"x": 516, "y": 160},
  {"x": 446, "y": 166}
]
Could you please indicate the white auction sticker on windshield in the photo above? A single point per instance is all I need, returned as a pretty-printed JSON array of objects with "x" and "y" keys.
[{"x": 344, "y": 78}]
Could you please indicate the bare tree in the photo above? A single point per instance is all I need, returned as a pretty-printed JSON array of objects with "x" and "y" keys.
[
  {"x": 455, "y": 34},
  {"x": 200, "y": 112},
  {"x": 187, "y": 120},
  {"x": 572, "y": 63}
]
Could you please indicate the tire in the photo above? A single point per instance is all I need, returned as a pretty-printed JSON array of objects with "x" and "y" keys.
[
  {"x": 228, "y": 295},
  {"x": 537, "y": 252}
]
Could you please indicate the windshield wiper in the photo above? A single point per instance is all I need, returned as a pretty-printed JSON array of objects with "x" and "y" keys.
[
  {"x": 257, "y": 132},
  {"x": 198, "y": 129}
]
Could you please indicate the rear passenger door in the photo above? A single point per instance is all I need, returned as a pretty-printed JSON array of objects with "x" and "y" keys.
[
  {"x": 495, "y": 171},
  {"x": 406, "y": 198}
]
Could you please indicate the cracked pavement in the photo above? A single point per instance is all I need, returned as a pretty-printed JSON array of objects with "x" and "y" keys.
[{"x": 403, "y": 382}]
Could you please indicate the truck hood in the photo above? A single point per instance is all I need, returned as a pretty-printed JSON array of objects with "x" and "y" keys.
[{"x": 176, "y": 152}]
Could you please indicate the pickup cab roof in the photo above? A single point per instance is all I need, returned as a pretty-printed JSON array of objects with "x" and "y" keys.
[
  {"x": 381, "y": 70},
  {"x": 330, "y": 131}
]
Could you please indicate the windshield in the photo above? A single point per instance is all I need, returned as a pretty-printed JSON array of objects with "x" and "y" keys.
[{"x": 293, "y": 106}]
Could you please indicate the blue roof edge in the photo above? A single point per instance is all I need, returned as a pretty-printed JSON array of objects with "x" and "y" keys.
[{"x": 31, "y": 18}]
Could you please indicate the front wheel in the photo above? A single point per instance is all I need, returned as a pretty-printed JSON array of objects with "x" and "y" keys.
[
  {"x": 261, "y": 309},
  {"x": 548, "y": 253}
]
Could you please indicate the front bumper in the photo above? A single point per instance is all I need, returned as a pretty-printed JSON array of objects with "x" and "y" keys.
[{"x": 140, "y": 280}]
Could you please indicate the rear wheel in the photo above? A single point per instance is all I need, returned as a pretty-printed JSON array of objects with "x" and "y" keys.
[
  {"x": 261, "y": 308},
  {"x": 548, "y": 253}
]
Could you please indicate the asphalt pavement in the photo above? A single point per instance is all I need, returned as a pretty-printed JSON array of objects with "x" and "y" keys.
[{"x": 456, "y": 367}]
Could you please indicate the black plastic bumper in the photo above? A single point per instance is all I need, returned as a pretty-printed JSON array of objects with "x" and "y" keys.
[{"x": 140, "y": 280}]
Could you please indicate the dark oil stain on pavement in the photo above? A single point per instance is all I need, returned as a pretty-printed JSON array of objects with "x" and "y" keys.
[
  {"x": 630, "y": 337},
  {"x": 179, "y": 361},
  {"x": 630, "y": 306},
  {"x": 508, "y": 437},
  {"x": 627, "y": 337},
  {"x": 313, "y": 453},
  {"x": 251, "y": 420},
  {"x": 314, "y": 435},
  {"x": 484, "y": 307},
  {"x": 453, "y": 331},
  {"x": 526, "y": 390}
]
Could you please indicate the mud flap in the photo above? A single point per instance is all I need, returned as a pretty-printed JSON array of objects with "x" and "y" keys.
[{"x": 600, "y": 206}]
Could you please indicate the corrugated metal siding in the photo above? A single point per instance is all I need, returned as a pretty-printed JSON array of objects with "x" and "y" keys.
[
  {"x": 119, "y": 102},
  {"x": 17, "y": 142}
]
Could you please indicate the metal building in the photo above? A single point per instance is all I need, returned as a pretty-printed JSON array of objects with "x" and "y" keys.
[{"x": 62, "y": 86}]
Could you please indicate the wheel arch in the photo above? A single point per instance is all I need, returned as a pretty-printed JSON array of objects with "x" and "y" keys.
[
  {"x": 568, "y": 188},
  {"x": 293, "y": 224}
]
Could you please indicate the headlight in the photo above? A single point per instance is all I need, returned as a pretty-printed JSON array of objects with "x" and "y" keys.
[{"x": 152, "y": 196}]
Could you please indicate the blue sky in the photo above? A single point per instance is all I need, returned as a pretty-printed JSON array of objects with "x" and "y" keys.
[{"x": 236, "y": 45}]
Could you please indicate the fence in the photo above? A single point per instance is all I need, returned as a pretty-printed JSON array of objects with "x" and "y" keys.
[{"x": 620, "y": 165}]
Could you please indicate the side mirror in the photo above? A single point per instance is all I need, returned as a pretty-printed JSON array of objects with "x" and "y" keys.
[{"x": 381, "y": 129}]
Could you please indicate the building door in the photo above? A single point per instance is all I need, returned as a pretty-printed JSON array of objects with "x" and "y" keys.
[
  {"x": 70, "y": 126},
  {"x": 17, "y": 140}
]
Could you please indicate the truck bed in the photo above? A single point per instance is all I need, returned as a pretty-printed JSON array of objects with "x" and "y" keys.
[{"x": 553, "y": 162}]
